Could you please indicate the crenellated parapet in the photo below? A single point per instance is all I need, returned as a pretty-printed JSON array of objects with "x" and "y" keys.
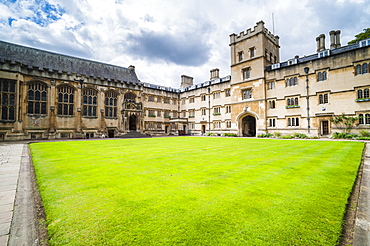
[{"x": 259, "y": 28}]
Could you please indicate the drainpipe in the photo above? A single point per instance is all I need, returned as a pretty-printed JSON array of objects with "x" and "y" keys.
[{"x": 306, "y": 69}]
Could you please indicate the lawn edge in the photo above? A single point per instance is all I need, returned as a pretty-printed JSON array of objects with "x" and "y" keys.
[{"x": 349, "y": 217}]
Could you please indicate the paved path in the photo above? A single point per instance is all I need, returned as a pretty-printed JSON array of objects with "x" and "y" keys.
[
  {"x": 10, "y": 159},
  {"x": 17, "y": 211},
  {"x": 18, "y": 221}
]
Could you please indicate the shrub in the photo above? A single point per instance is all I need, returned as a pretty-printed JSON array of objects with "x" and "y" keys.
[
  {"x": 277, "y": 134},
  {"x": 287, "y": 136},
  {"x": 230, "y": 135},
  {"x": 363, "y": 138},
  {"x": 314, "y": 137},
  {"x": 299, "y": 135},
  {"x": 364, "y": 133},
  {"x": 267, "y": 135},
  {"x": 210, "y": 134},
  {"x": 343, "y": 135}
]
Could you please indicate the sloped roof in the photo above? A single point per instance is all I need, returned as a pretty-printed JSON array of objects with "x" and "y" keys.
[{"x": 41, "y": 59}]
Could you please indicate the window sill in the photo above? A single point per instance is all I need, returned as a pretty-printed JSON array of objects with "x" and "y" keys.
[
  {"x": 167, "y": 117},
  {"x": 191, "y": 116},
  {"x": 293, "y": 106},
  {"x": 363, "y": 100},
  {"x": 90, "y": 117},
  {"x": 65, "y": 116},
  {"x": 151, "y": 116},
  {"x": 217, "y": 114},
  {"x": 111, "y": 118}
]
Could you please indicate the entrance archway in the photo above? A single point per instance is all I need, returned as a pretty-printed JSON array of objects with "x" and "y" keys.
[
  {"x": 132, "y": 122},
  {"x": 249, "y": 126}
]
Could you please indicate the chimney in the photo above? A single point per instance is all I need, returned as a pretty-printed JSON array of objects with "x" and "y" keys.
[
  {"x": 215, "y": 73},
  {"x": 132, "y": 67},
  {"x": 318, "y": 44},
  {"x": 337, "y": 39},
  {"x": 322, "y": 42},
  {"x": 332, "y": 39},
  {"x": 186, "y": 81}
]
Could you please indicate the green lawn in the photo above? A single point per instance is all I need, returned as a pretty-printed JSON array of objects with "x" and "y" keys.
[{"x": 195, "y": 190}]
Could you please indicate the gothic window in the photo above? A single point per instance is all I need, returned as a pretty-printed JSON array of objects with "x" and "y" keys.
[
  {"x": 367, "y": 119},
  {"x": 65, "y": 100},
  {"x": 323, "y": 98},
  {"x": 359, "y": 94},
  {"x": 89, "y": 102},
  {"x": 366, "y": 93},
  {"x": 365, "y": 68},
  {"x": 358, "y": 69},
  {"x": 361, "y": 119},
  {"x": 292, "y": 81},
  {"x": 111, "y": 104},
  {"x": 7, "y": 98},
  {"x": 37, "y": 98}
]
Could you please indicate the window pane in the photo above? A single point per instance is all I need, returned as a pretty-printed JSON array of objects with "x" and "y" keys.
[
  {"x": 65, "y": 98},
  {"x": 65, "y": 109},
  {"x": 4, "y": 113},
  {"x": 70, "y": 110},
  {"x": 12, "y": 101},
  {"x": 11, "y": 113},
  {"x": 30, "y": 108},
  {"x": 361, "y": 119},
  {"x": 60, "y": 109},
  {"x": 37, "y": 96},
  {"x": 71, "y": 98},
  {"x": 43, "y": 108},
  {"x": 37, "y": 108},
  {"x": 12, "y": 86},
  {"x": 31, "y": 95},
  {"x": 43, "y": 96}
]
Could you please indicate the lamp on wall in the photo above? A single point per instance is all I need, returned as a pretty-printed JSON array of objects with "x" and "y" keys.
[{"x": 306, "y": 70}]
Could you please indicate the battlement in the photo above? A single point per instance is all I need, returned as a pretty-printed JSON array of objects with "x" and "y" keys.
[{"x": 259, "y": 28}]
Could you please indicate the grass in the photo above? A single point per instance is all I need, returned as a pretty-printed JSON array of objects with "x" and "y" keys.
[{"x": 195, "y": 191}]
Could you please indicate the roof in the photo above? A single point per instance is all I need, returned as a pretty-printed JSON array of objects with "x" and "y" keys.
[{"x": 45, "y": 60}]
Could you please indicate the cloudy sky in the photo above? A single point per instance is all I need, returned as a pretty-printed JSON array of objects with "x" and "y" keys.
[{"x": 165, "y": 39}]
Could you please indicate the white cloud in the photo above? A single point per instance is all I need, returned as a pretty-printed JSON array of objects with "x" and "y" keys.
[{"x": 192, "y": 35}]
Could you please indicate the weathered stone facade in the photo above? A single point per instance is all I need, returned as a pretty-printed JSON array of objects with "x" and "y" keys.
[{"x": 50, "y": 96}]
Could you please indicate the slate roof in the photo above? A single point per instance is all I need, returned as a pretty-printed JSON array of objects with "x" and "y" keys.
[{"x": 45, "y": 60}]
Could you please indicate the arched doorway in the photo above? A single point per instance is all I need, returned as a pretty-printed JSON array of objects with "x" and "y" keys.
[
  {"x": 203, "y": 129},
  {"x": 249, "y": 126},
  {"x": 132, "y": 122}
]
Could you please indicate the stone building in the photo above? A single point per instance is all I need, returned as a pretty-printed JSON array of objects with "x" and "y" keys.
[{"x": 45, "y": 95}]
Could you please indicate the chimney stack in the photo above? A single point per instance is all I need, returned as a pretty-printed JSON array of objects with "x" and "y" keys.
[
  {"x": 332, "y": 39},
  {"x": 186, "y": 81},
  {"x": 215, "y": 73},
  {"x": 320, "y": 42},
  {"x": 337, "y": 39}
]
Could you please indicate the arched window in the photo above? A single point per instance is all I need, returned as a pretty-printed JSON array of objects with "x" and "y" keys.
[
  {"x": 89, "y": 102},
  {"x": 65, "y": 100},
  {"x": 37, "y": 98},
  {"x": 367, "y": 119},
  {"x": 319, "y": 76},
  {"x": 7, "y": 95},
  {"x": 288, "y": 101},
  {"x": 289, "y": 122},
  {"x": 358, "y": 69},
  {"x": 366, "y": 93},
  {"x": 359, "y": 94},
  {"x": 361, "y": 119},
  {"x": 111, "y": 104},
  {"x": 297, "y": 121},
  {"x": 321, "y": 101},
  {"x": 365, "y": 68},
  {"x": 296, "y": 101},
  {"x": 324, "y": 75}
]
